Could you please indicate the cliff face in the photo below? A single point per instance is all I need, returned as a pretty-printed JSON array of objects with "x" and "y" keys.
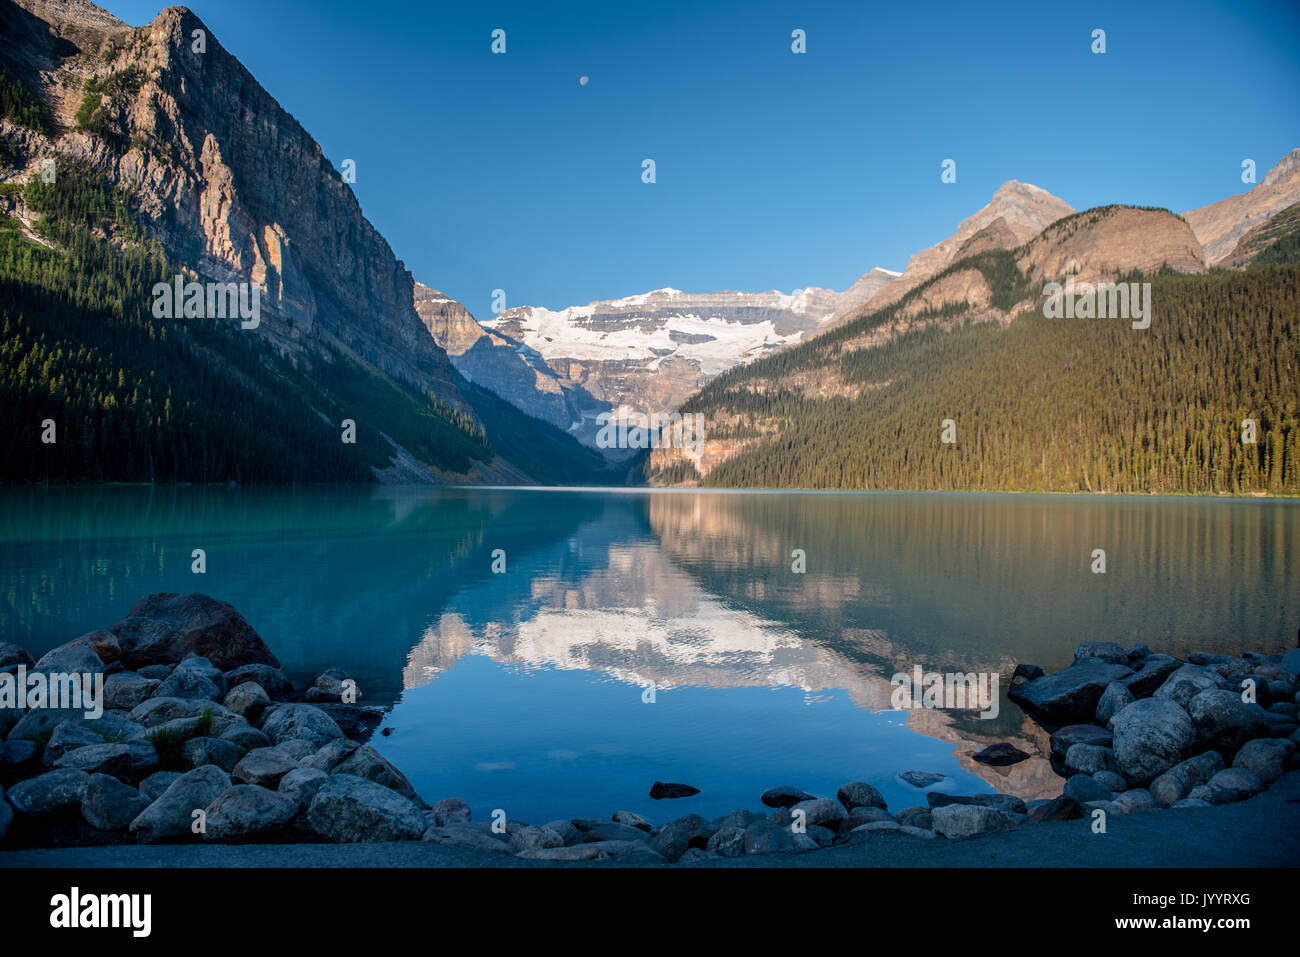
[
  {"x": 1220, "y": 226},
  {"x": 231, "y": 185}
]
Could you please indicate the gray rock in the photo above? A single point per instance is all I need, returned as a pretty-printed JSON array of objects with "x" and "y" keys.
[
  {"x": 111, "y": 759},
  {"x": 666, "y": 790},
  {"x": 207, "y": 669},
  {"x": 1291, "y": 662},
  {"x": 802, "y": 843},
  {"x": 1225, "y": 722},
  {"x": 331, "y": 755},
  {"x": 155, "y": 784},
  {"x": 1103, "y": 651},
  {"x": 784, "y": 797},
  {"x": 1231, "y": 784},
  {"x": 171, "y": 816},
  {"x": 1151, "y": 736},
  {"x": 823, "y": 836},
  {"x": 1153, "y": 671},
  {"x": 264, "y": 767},
  {"x": 248, "y": 699},
  {"x": 248, "y": 812},
  {"x": 349, "y": 809},
  {"x": 11, "y": 654},
  {"x": 272, "y": 680},
  {"x": 165, "y": 628},
  {"x": 956, "y": 821},
  {"x": 110, "y": 805},
  {"x": 764, "y": 837},
  {"x": 155, "y": 672},
  {"x": 677, "y": 837},
  {"x": 570, "y": 834},
  {"x": 66, "y": 738},
  {"x": 54, "y": 792},
  {"x": 1072, "y": 692},
  {"x": 128, "y": 689},
  {"x": 366, "y": 762},
  {"x": 921, "y": 779},
  {"x": 875, "y": 827},
  {"x": 915, "y": 817},
  {"x": 727, "y": 842},
  {"x": 594, "y": 829},
  {"x": 71, "y": 658},
  {"x": 1000, "y": 754},
  {"x": 160, "y": 710},
  {"x": 451, "y": 811},
  {"x": 821, "y": 811},
  {"x": 1115, "y": 696},
  {"x": 859, "y": 794},
  {"x": 1135, "y": 801},
  {"x": 246, "y": 737},
  {"x": 197, "y": 752},
  {"x": 17, "y": 752},
  {"x": 1003, "y": 802},
  {"x": 1112, "y": 781},
  {"x": 1089, "y": 759},
  {"x": 187, "y": 683},
  {"x": 1083, "y": 789},
  {"x": 534, "y": 839},
  {"x": 301, "y": 784},
  {"x": 633, "y": 820},
  {"x": 303, "y": 721},
  {"x": 300, "y": 749},
  {"x": 1065, "y": 738},
  {"x": 1264, "y": 757},
  {"x": 866, "y": 815},
  {"x": 1187, "y": 682},
  {"x": 472, "y": 837},
  {"x": 740, "y": 817}
]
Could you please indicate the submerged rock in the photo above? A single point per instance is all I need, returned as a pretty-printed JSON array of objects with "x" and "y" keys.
[{"x": 666, "y": 790}]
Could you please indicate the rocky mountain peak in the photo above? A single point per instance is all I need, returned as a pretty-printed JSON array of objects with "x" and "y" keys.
[{"x": 1220, "y": 226}]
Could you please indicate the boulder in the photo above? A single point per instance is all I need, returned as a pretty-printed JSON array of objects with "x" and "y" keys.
[
  {"x": 11, "y": 654},
  {"x": 451, "y": 811},
  {"x": 246, "y": 812},
  {"x": 1065, "y": 738},
  {"x": 1135, "y": 801},
  {"x": 1115, "y": 696},
  {"x": 272, "y": 680},
  {"x": 570, "y": 834},
  {"x": 915, "y": 817},
  {"x": 110, "y": 759},
  {"x": 171, "y": 816},
  {"x": 471, "y": 837},
  {"x": 1112, "y": 781},
  {"x": 665, "y": 790},
  {"x": 197, "y": 752},
  {"x": 366, "y": 762},
  {"x": 66, "y": 738},
  {"x": 331, "y": 755},
  {"x": 677, "y": 837},
  {"x": 821, "y": 811},
  {"x": 166, "y": 628},
  {"x": 110, "y": 805},
  {"x": 248, "y": 699},
  {"x": 764, "y": 837},
  {"x": 1063, "y": 808},
  {"x": 248, "y": 738},
  {"x": 127, "y": 689},
  {"x": 155, "y": 784},
  {"x": 534, "y": 839},
  {"x": 594, "y": 829},
  {"x": 54, "y": 792},
  {"x": 957, "y": 821},
  {"x": 159, "y": 710},
  {"x": 1073, "y": 692},
  {"x": 303, "y": 721},
  {"x": 1102, "y": 651},
  {"x": 859, "y": 794},
  {"x": 1089, "y": 759},
  {"x": 1225, "y": 722},
  {"x": 1153, "y": 671},
  {"x": 1151, "y": 736},
  {"x": 1083, "y": 788},
  {"x": 348, "y": 809},
  {"x": 1230, "y": 784},
  {"x": 354, "y": 720},
  {"x": 1187, "y": 682},
  {"x": 727, "y": 842},
  {"x": 633, "y": 820},
  {"x": 264, "y": 767},
  {"x": 865, "y": 815},
  {"x": 301, "y": 784},
  {"x": 1003, "y": 802},
  {"x": 1264, "y": 757},
  {"x": 784, "y": 797},
  {"x": 17, "y": 753}
]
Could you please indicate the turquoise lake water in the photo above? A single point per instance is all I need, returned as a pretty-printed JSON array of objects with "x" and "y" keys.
[{"x": 527, "y": 690}]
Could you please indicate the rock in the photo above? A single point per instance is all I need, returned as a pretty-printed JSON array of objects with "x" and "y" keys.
[
  {"x": 331, "y": 755},
  {"x": 329, "y": 687},
  {"x": 1025, "y": 673},
  {"x": 866, "y": 815},
  {"x": 1089, "y": 759},
  {"x": 66, "y": 738},
  {"x": 740, "y": 818},
  {"x": 304, "y": 721},
  {"x": 171, "y": 816},
  {"x": 921, "y": 779},
  {"x": 1178, "y": 781},
  {"x": 677, "y": 837},
  {"x": 664, "y": 790},
  {"x": 474, "y": 838},
  {"x": 1135, "y": 801},
  {"x": 802, "y": 844},
  {"x": 1263, "y": 757},
  {"x": 72, "y": 658},
  {"x": 160, "y": 710},
  {"x": 1151, "y": 674},
  {"x": 594, "y": 829},
  {"x": 155, "y": 784},
  {"x": 246, "y": 811},
  {"x": 9, "y": 718},
  {"x": 155, "y": 672},
  {"x": 110, "y": 805},
  {"x": 300, "y": 749},
  {"x": 822, "y": 811},
  {"x": 110, "y": 759},
  {"x": 1112, "y": 781},
  {"x": 784, "y": 797},
  {"x": 570, "y": 834},
  {"x": 1103, "y": 651},
  {"x": 727, "y": 842},
  {"x": 1003, "y": 802},
  {"x": 1083, "y": 789},
  {"x": 1151, "y": 736},
  {"x": 1231, "y": 784},
  {"x": 301, "y": 784},
  {"x": 54, "y": 792},
  {"x": 197, "y": 752},
  {"x": 1065, "y": 738},
  {"x": 1187, "y": 682},
  {"x": 1064, "y": 808},
  {"x": 957, "y": 821},
  {"x": 165, "y": 628},
  {"x": 534, "y": 839},
  {"x": 349, "y": 809},
  {"x": 451, "y": 811},
  {"x": 915, "y": 817},
  {"x": 270, "y": 679},
  {"x": 1225, "y": 722},
  {"x": 11, "y": 654},
  {"x": 1138, "y": 653},
  {"x": 197, "y": 664},
  {"x": 264, "y": 767},
  {"x": 354, "y": 720},
  {"x": 633, "y": 820},
  {"x": 1115, "y": 696},
  {"x": 247, "y": 698},
  {"x": 250, "y": 739},
  {"x": 1073, "y": 692},
  {"x": 1001, "y": 754},
  {"x": 764, "y": 837},
  {"x": 16, "y": 753},
  {"x": 859, "y": 794},
  {"x": 1291, "y": 662},
  {"x": 128, "y": 689},
  {"x": 366, "y": 762}
]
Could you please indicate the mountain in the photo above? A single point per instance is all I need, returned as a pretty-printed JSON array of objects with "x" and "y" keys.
[
  {"x": 1220, "y": 226},
  {"x": 179, "y": 162},
  {"x": 642, "y": 354},
  {"x": 1080, "y": 404}
]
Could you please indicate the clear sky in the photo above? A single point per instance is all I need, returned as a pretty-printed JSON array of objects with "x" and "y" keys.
[{"x": 774, "y": 170}]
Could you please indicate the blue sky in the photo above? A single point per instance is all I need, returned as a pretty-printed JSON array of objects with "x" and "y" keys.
[{"x": 774, "y": 170}]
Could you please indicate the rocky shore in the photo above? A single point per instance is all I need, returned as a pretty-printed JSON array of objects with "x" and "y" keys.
[{"x": 204, "y": 739}]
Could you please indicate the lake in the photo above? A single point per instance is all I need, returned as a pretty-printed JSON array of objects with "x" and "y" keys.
[{"x": 639, "y": 635}]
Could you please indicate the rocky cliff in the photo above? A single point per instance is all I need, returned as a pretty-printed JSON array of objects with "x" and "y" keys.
[{"x": 1220, "y": 226}]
